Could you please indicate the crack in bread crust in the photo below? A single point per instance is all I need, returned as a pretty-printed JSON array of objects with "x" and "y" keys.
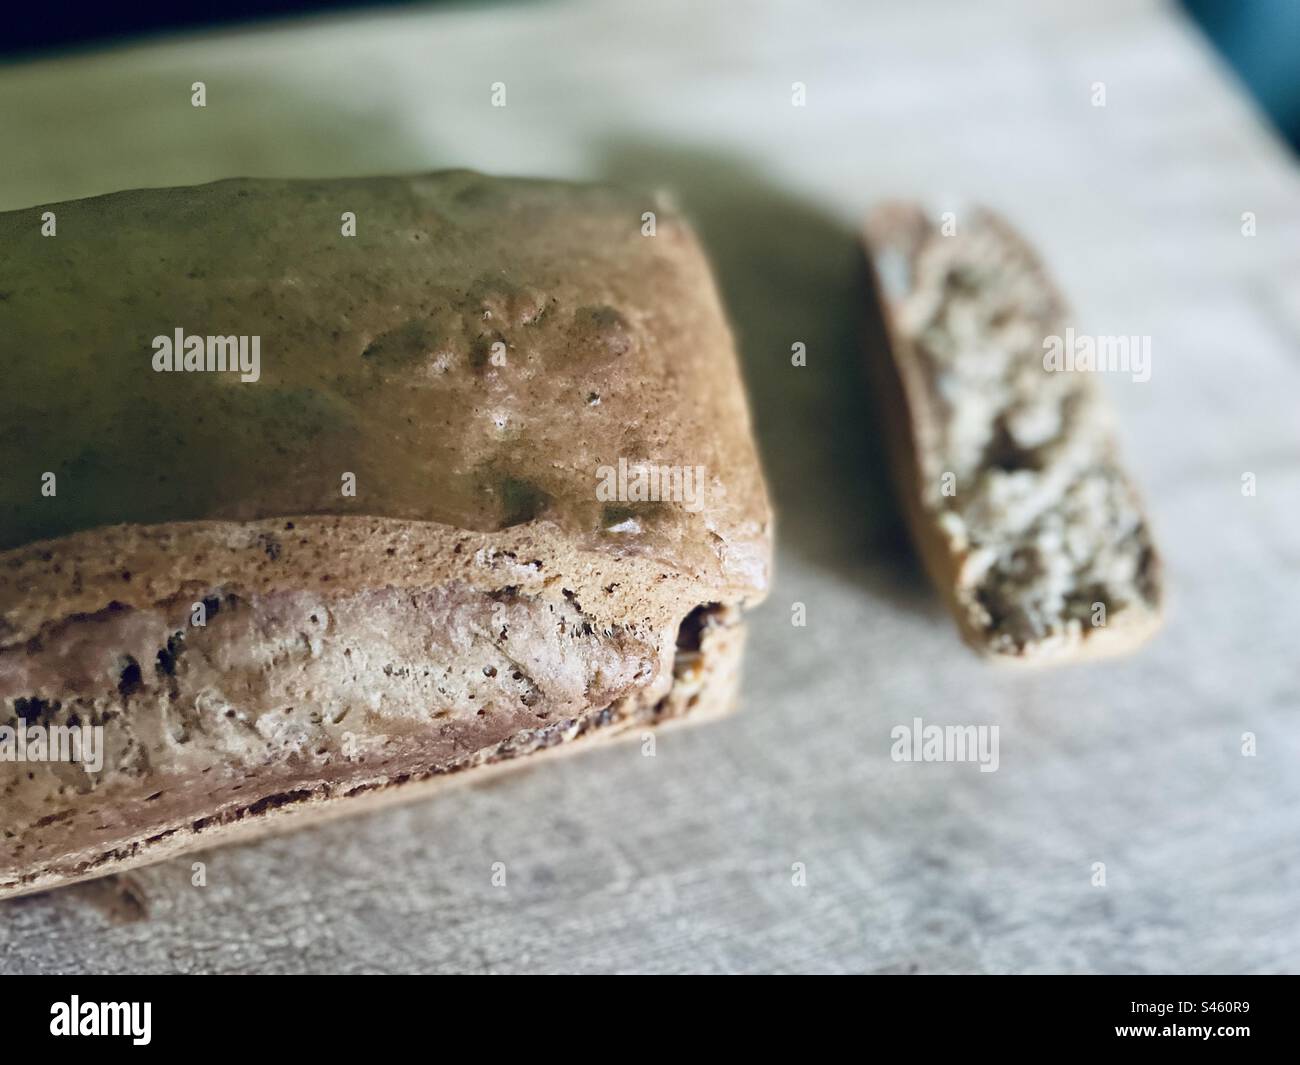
[{"x": 703, "y": 683}]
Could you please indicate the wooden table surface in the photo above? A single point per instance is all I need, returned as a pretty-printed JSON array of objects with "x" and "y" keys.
[{"x": 683, "y": 861}]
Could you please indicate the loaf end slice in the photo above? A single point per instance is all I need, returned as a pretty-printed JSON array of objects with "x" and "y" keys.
[{"x": 1008, "y": 470}]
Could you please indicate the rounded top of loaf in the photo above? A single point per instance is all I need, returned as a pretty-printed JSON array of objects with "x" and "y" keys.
[{"x": 484, "y": 353}]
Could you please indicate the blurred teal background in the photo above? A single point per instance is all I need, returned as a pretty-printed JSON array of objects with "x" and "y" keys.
[{"x": 1261, "y": 40}]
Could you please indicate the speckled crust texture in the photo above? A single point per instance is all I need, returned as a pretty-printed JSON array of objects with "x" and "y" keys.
[
  {"x": 475, "y": 601},
  {"x": 1044, "y": 523}
]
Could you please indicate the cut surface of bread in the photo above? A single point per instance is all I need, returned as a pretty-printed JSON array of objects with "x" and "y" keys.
[
  {"x": 1007, "y": 467},
  {"x": 491, "y": 493}
]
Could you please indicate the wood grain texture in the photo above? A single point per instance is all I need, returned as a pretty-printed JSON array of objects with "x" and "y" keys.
[{"x": 682, "y": 861}]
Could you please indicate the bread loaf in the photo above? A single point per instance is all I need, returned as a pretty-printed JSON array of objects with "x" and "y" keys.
[{"x": 475, "y": 482}]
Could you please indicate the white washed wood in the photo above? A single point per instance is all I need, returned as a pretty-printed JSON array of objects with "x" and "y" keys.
[{"x": 682, "y": 862}]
